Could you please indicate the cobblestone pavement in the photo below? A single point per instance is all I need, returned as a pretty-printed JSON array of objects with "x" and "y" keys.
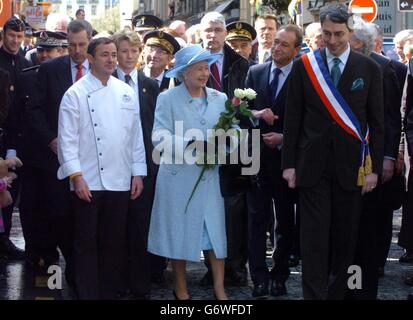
[{"x": 17, "y": 281}]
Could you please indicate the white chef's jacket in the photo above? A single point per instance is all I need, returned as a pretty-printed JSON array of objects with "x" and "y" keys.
[{"x": 100, "y": 134}]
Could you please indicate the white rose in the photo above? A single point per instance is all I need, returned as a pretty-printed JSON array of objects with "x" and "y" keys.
[
  {"x": 250, "y": 94},
  {"x": 239, "y": 93}
]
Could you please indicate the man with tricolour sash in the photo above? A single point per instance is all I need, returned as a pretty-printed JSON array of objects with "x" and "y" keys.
[{"x": 333, "y": 150}]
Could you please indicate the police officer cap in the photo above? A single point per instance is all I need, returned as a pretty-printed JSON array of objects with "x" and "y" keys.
[
  {"x": 49, "y": 39},
  {"x": 14, "y": 24},
  {"x": 145, "y": 22},
  {"x": 65, "y": 42},
  {"x": 240, "y": 31},
  {"x": 161, "y": 39}
]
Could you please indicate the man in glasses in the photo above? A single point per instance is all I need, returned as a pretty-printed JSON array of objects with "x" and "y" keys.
[
  {"x": 13, "y": 63},
  {"x": 158, "y": 53}
]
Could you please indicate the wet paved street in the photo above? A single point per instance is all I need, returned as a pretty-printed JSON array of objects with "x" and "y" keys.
[{"x": 17, "y": 281}]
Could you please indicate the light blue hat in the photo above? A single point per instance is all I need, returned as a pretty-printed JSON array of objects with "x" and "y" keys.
[{"x": 189, "y": 56}]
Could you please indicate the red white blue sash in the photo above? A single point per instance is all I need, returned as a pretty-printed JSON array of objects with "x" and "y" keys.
[{"x": 337, "y": 107}]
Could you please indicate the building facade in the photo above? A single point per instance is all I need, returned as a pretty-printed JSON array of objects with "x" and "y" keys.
[{"x": 93, "y": 8}]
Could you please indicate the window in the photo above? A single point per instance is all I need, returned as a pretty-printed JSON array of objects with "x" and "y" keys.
[{"x": 93, "y": 10}]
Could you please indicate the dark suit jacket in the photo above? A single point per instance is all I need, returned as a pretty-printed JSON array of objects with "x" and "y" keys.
[
  {"x": 258, "y": 79},
  {"x": 310, "y": 133},
  {"x": 234, "y": 72},
  {"x": 401, "y": 71},
  {"x": 392, "y": 102},
  {"x": 53, "y": 79},
  {"x": 148, "y": 93},
  {"x": 408, "y": 126}
]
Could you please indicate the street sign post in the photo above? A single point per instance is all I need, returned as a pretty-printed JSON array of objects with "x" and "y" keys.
[
  {"x": 405, "y": 5},
  {"x": 367, "y": 9}
]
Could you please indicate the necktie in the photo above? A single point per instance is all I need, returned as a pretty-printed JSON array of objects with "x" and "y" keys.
[
  {"x": 335, "y": 71},
  {"x": 128, "y": 79},
  {"x": 274, "y": 83},
  {"x": 216, "y": 80},
  {"x": 263, "y": 57},
  {"x": 79, "y": 72}
]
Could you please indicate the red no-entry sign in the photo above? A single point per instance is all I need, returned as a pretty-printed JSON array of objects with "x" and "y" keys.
[{"x": 367, "y": 9}]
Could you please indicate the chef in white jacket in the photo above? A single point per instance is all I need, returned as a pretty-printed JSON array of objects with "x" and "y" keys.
[{"x": 100, "y": 147}]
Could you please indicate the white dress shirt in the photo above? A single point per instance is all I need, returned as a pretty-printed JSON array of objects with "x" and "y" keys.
[
  {"x": 147, "y": 72},
  {"x": 285, "y": 71},
  {"x": 73, "y": 68},
  {"x": 100, "y": 134},
  {"x": 220, "y": 64},
  {"x": 343, "y": 59},
  {"x": 134, "y": 82},
  {"x": 263, "y": 55}
]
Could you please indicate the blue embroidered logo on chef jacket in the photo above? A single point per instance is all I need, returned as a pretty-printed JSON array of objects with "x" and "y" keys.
[{"x": 126, "y": 98}]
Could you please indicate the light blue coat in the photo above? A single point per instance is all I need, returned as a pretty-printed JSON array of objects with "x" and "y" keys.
[{"x": 173, "y": 232}]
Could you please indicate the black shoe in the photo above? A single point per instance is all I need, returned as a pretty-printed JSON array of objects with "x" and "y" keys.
[
  {"x": 407, "y": 257},
  {"x": 408, "y": 281},
  {"x": 123, "y": 295},
  {"x": 380, "y": 272},
  {"x": 260, "y": 290},
  {"x": 235, "y": 278},
  {"x": 293, "y": 261},
  {"x": 32, "y": 259},
  {"x": 278, "y": 288},
  {"x": 9, "y": 251},
  {"x": 206, "y": 280}
]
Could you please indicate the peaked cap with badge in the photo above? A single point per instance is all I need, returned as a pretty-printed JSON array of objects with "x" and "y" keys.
[
  {"x": 162, "y": 39},
  {"x": 146, "y": 22},
  {"x": 240, "y": 31},
  {"x": 49, "y": 39}
]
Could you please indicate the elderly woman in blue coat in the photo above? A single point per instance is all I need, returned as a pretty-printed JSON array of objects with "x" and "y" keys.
[{"x": 181, "y": 230}]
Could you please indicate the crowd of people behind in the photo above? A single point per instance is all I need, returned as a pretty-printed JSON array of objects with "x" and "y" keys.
[{"x": 84, "y": 111}]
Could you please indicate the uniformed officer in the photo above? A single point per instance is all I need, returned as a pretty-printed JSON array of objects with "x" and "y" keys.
[
  {"x": 158, "y": 53},
  {"x": 146, "y": 22},
  {"x": 240, "y": 37},
  {"x": 37, "y": 226},
  {"x": 11, "y": 62},
  {"x": 49, "y": 44}
]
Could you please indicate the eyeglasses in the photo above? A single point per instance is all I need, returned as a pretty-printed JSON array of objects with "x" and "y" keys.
[{"x": 156, "y": 50}]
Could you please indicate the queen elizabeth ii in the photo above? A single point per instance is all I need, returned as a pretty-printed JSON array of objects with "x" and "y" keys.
[{"x": 177, "y": 232}]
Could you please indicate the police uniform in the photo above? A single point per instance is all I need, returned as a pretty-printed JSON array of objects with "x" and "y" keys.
[
  {"x": 40, "y": 232},
  {"x": 12, "y": 64}
]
